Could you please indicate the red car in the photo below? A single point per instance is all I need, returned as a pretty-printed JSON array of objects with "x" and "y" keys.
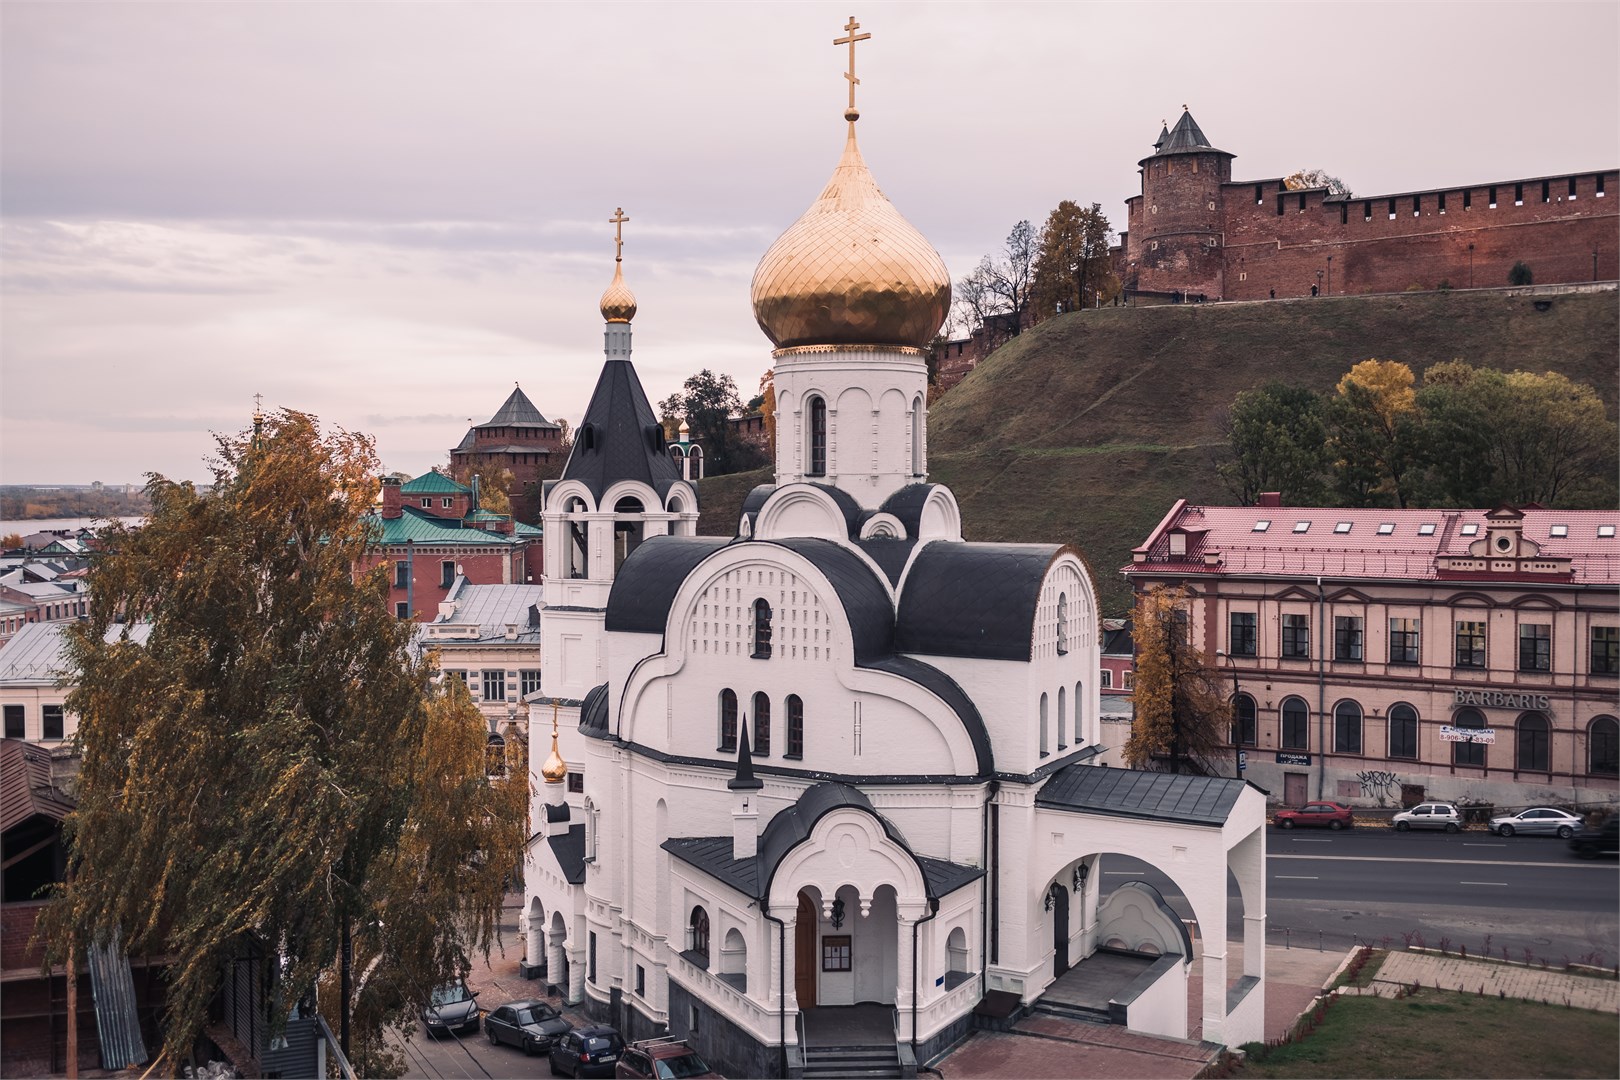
[{"x": 1325, "y": 815}]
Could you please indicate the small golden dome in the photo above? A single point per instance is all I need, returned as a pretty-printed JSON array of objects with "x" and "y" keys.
[
  {"x": 555, "y": 770},
  {"x": 851, "y": 271},
  {"x": 618, "y": 302}
]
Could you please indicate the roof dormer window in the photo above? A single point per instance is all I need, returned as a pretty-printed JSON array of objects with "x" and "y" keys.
[
  {"x": 1606, "y": 530},
  {"x": 1426, "y": 529},
  {"x": 1559, "y": 530},
  {"x": 1470, "y": 530},
  {"x": 1302, "y": 526},
  {"x": 1341, "y": 528},
  {"x": 1261, "y": 526},
  {"x": 1386, "y": 528}
]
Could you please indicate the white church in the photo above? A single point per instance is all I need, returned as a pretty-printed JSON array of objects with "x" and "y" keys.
[{"x": 826, "y": 791}]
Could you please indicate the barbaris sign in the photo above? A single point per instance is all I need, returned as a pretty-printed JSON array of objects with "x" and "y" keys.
[{"x": 1498, "y": 699}]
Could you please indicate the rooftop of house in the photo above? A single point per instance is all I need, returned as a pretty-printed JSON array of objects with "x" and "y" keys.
[
  {"x": 423, "y": 528},
  {"x": 1411, "y": 544},
  {"x": 482, "y": 613},
  {"x": 37, "y": 654},
  {"x": 434, "y": 482}
]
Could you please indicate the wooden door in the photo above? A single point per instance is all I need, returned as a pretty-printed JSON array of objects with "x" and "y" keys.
[
  {"x": 804, "y": 954},
  {"x": 1296, "y": 789}
]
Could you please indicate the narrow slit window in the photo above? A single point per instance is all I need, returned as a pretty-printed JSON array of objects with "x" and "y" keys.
[
  {"x": 1440, "y": 201},
  {"x": 1546, "y": 191}
]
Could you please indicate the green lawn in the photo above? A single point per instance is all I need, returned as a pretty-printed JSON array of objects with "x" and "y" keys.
[{"x": 1444, "y": 1034}]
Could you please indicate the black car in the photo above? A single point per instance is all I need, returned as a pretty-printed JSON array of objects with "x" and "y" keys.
[
  {"x": 451, "y": 1008},
  {"x": 530, "y": 1025},
  {"x": 1589, "y": 843},
  {"x": 588, "y": 1051}
]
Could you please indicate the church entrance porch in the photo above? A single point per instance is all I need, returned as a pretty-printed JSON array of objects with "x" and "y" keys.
[{"x": 1086, "y": 990}]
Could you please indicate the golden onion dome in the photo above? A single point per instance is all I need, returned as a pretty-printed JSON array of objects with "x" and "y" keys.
[
  {"x": 555, "y": 770},
  {"x": 851, "y": 271},
  {"x": 618, "y": 302}
]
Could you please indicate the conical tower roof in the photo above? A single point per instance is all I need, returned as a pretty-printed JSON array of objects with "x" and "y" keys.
[
  {"x": 620, "y": 437},
  {"x": 1185, "y": 137},
  {"x": 518, "y": 411}
]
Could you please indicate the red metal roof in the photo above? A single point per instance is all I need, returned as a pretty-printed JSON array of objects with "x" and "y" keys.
[{"x": 1379, "y": 543}]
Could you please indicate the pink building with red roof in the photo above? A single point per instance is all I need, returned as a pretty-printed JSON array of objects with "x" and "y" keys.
[{"x": 1386, "y": 656}]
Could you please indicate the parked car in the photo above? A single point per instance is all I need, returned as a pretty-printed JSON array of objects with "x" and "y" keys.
[
  {"x": 1322, "y": 815},
  {"x": 587, "y": 1051},
  {"x": 452, "y": 1007},
  {"x": 662, "y": 1059},
  {"x": 1590, "y": 842},
  {"x": 1429, "y": 815},
  {"x": 532, "y": 1026},
  {"x": 1537, "y": 821}
]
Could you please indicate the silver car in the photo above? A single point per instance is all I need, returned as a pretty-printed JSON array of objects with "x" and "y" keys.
[
  {"x": 1537, "y": 821},
  {"x": 1429, "y": 815}
]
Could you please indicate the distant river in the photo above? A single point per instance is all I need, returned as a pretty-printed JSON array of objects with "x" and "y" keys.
[{"x": 34, "y": 525}]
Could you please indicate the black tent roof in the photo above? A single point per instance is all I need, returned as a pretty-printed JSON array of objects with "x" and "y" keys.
[
  {"x": 518, "y": 411},
  {"x": 620, "y": 437}
]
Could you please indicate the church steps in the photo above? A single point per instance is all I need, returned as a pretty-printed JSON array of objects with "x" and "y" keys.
[{"x": 880, "y": 1062}]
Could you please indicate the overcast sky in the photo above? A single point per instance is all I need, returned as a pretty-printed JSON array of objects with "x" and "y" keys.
[{"x": 386, "y": 213}]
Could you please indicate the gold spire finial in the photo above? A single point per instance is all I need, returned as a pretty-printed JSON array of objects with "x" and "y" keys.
[
  {"x": 555, "y": 770},
  {"x": 258, "y": 406},
  {"x": 617, "y": 221},
  {"x": 850, "y": 38}
]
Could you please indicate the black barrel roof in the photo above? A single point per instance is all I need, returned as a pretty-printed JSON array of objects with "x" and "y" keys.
[
  {"x": 974, "y": 600},
  {"x": 646, "y": 583}
]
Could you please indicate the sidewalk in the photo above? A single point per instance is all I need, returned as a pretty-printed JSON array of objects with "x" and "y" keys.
[{"x": 1511, "y": 980}]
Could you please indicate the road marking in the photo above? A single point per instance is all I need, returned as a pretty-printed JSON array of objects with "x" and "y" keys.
[
  {"x": 1449, "y": 862},
  {"x": 1502, "y": 883},
  {"x": 1466, "y": 844},
  {"x": 1312, "y": 840},
  {"x": 1293, "y": 877}
]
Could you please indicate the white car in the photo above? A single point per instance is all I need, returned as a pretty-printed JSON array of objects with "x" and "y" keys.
[
  {"x": 1429, "y": 815},
  {"x": 1537, "y": 821}
]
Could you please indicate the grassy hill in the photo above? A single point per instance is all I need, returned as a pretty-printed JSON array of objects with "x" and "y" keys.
[{"x": 1086, "y": 428}]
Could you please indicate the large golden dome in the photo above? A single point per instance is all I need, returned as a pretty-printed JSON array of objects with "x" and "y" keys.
[{"x": 851, "y": 271}]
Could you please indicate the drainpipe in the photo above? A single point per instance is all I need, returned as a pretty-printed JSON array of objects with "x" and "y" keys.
[
  {"x": 781, "y": 983},
  {"x": 410, "y": 579},
  {"x": 1321, "y": 690},
  {"x": 989, "y": 912},
  {"x": 933, "y": 912}
]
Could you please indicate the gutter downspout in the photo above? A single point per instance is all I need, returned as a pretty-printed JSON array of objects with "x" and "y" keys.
[
  {"x": 1321, "y": 691},
  {"x": 933, "y": 912},
  {"x": 989, "y": 908},
  {"x": 781, "y": 981}
]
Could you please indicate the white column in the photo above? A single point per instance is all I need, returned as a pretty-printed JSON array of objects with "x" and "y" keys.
[
  {"x": 576, "y": 977},
  {"x": 554, "y": 962},
  {"x": 534, "y": 944},
  {"x": 785, "y": 959},
  {"x": 905, "y": 920}
]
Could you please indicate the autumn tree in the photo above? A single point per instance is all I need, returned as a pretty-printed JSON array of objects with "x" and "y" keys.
[
  {"x": 1376, "y": 431},
  {"x": 708, "y": 402},
  {"x": 1277, "y": 437},
  {"x": 494, "y": 485},
  {"x": 767, "y": 407},
  {"x": 1307, "y": 179},
  {"x": 1000, "y": 288},
  {"x": 1072, "y": 267},
  {"x": 274, "y": 765},
  {"x": 1182, "y": 717}
]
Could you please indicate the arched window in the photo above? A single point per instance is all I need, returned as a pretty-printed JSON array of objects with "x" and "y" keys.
[
  {"x": 1468, "y": 753},
  {"x": 956, "y": 951},
  {"x": 1532, "y": 740},
  {"x": 1245, "y": 721},
  {"x": 728, "y": 720},
  {"x": 1079, "y": 714},
  {"x": 918, "y": 419},
  {"x": 697, "y": 933},
  {"x": 1063, "y": 629},
  {"x": 578, "y": 540},
  {"x": 762, "y": 724},
  {"x": 1063, "y": 718},
  {"x": 1045, "y": 747},
  {"x": 1296, "y": 724},
  {"x": 734, "y": 961},
  {"x": 762, "y": 630},
  {"x": 1603, "y": 747},
  {"x": 1403, "y": 731},
  {"x": 795, "y": 727},
  {"x": 818, "y": 437},
  {"x": 1347, "y": 728}
]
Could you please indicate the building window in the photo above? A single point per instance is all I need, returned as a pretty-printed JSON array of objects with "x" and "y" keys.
[
  {"x": 1403, "y": 731},
  {"x": 590, "y": 956},
  {"x": 1605, "y": 658},
  {"x": 1347, "y": 637},
  {"x": 1296, "y": 637},
  {"x": 1105, "y": 679},
  {"x": 1603, "y": 747},
  {"x": 1532, "y": 741},
  {"x": 427, "y": 503},
  {"x": 1045, "y": 749},
  {"x": 795, "y": 727},
  {"x": 446, "y": 503},
  {"x": 576, "y": 784},
  {"x": 1599, "y": 185},
  {"x": 456, "y": 673},
  {"x": 762, "y": 630},
  {"x": 1129, "y": 680},
  {"x": 1518, "y": 194},
  {"x": 402, "y": 610},
  {"x": 1470, "y": 644},
  {"x": 762, "y": 724},
  {"x": 1492, "y": 199},
  {"x": 528, "y": 682},
  {"x": 1062, "y": 624},
  {"x": 697, "y": 933},
  {"x": 50, "y": 717},
  {"x": 1535, "y": 647},
  {"x": 15, "y": 728},
  {"x": 1242, "y": 638},
  {"x": 641, "y": 981},
  {"x": 728, "y": 720},
  {"x": 494, "y": 685},
  {"x": 402, "y": 575},
  {"x": 447, "y": 573},
  {"x": 1468, "y": 199},
  {"x": 1403, "y": 641},
  {"x": 835, "y": 953},
  {"x": 1296, "y": 717},
  {"x": 1063, "y": 718},
  {"x": 818, "y": 437},
  {"x": 1468, "y": 753},
  {"x": 1245, "y": 721},
  {"x": 1347, "y": 728}
]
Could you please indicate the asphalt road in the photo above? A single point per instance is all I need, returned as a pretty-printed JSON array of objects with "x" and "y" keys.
[{"x": 1333, "y": 889}]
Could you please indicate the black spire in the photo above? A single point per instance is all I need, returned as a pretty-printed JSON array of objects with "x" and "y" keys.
[
  {"x": 745, "y": 780},
  {"x": 620, "y": 437}
]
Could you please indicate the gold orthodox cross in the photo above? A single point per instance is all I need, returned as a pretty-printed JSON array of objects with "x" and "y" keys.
[
  {"x": 850, "y": 38},
  {"x": 617, "y": 221}
]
